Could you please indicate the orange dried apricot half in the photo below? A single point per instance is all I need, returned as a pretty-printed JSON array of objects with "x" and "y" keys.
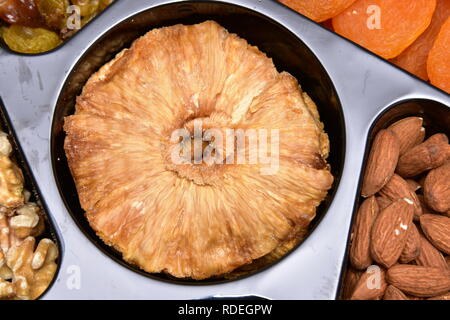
[
  {"x": 318, "y": 10},
  {"x": 438, "y": 65},
  {"x": 385, "y": 27},
  {"x": 414, "y": 58}
]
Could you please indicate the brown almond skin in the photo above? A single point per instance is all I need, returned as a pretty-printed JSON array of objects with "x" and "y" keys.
[
  {"x": 437, "y": 230},
  {"x": 447, "y": 259},
  {"x": 381, "y": 163},
  {"x": 383, "y": 202},
  {"x": 429, "y": 256},
  {"x": 390, "y": 232},
  {"x": 432, "y": 153},
  {"x": 412, "y": 247},
  {"x": 362, "y": 290},
  {"x": 413, "y": 185},
  {"x": 425, "y": 208},
  {"x": 398, "y": 188},
  {"x": 436, "y": 189},
  {"x": 360, "y": 250},
  {"x": 445, "y": 296},
  {"x": 419, "y": 281},
  {"x": 409, "y": 132},
  {"x": 393, "y": 293},
  {"x": 414, "y": 298},
  {"x": 351, "y": 279},
  {"x": 421, "y": 180}
]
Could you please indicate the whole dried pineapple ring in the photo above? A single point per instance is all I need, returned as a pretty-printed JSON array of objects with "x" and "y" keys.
[{"x": 189, "y": 220}]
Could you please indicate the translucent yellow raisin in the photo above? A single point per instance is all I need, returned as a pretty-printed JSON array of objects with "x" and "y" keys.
[
  {"x": 87, "y": 7},
  {"x": 104, "y": 4},
  {"x": 53, "y": 12},
  {"x": 30, "y": 40},
  {"x": 2, "y": 31}
]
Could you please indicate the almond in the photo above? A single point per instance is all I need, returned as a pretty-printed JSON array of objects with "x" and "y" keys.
[
  {"x": 418, "y": 280},
  {"x": 421, "y": 180},
  {"x": 445, "y": 296},
  {"x": 425, "y": 208},
  {"x": 397, "y": 188},
  {"x": 360, "y": 250},
  {"x": 437, "y": 230},
  {"x": 371, "y": 285},
  {"x": 409, "y": 132},
  {"x": 447, "y": 259},
  {"x": 351, "y": 279},
  {"x": 393, "y": 293},
  {"x": 436, "y": 188},
  {"x": 412, "y": 247},
  {"x": 390, "y": 232},
  {"x": 413, "y": 185},
  {"x": 381, "y": 163},
  {"x": 430, "y": 154},
  {"x": 429, "y": 256},
  {"x": 383, "y": 202}
]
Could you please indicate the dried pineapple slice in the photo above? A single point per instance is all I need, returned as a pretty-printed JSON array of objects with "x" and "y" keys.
[{"x": 187, "y": 220}]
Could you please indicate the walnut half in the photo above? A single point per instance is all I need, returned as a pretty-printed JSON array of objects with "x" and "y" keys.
[
  {"x": 32, "y": 269},
  {"x": 26, "y": 270},
  {"x": 11, "y": 183}
]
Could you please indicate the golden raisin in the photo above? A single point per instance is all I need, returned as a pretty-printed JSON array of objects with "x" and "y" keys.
[
  {"x": 104, "y": 4},
  {"x": 30, "y": 40},
  {"x": 87, "y": 7},
  {"x": 53, "y": 12}
]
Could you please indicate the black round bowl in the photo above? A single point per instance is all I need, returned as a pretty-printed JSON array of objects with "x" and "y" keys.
[{"x": 288, "y": 52}]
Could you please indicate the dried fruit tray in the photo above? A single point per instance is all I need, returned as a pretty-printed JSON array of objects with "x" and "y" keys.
[{"x": 357, "y": 93}]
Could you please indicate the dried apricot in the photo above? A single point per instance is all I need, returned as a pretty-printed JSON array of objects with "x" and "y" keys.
[
  {"x": 318, "y": 10},
  {"x": 328, "y": 24},
  {"x": 414, "y": 58},
  {"x": 30, "y": 40},
  {"x": 385, "y": 27},
  {"x": 438, "y": 65}
]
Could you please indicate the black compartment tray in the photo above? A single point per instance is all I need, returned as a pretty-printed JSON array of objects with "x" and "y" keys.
[
  {"x": 351, "y": 86},
  {"x": 436, "y": 119},
  {"x": 17, "y": 156}
]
